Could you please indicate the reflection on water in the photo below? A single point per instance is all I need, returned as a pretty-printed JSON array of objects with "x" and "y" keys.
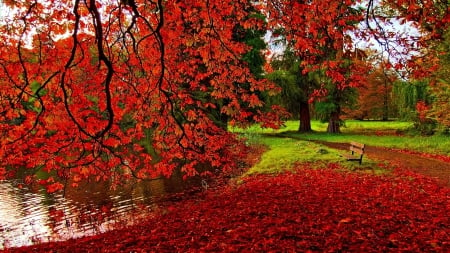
[{"x": 33, "y": 216}]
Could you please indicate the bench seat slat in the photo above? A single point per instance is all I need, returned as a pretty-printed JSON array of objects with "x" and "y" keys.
[
  {"x": 352, "y": 157},
  {"x": 357, "y": 152},
  {"x": 356, "y": 144}
]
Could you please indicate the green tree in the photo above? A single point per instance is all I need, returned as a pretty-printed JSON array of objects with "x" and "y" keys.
[
  {"x": 335, "y": 98},
  {"x": 331, "y": 106},
  {"x": 407, "y": 94},
  {"x": 297, "y": 87},
  {"x": 253, "y": 58}
]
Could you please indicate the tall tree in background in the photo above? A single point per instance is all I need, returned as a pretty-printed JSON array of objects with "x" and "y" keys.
[
  {"x": 440, "y": 87},
  {"x": 319, "y": 32},
  {"x": 340, "y": 97},
  {"x": 428, "y": 67},
  {"x": 296, "y": 86},
  {"x": 407, "y": 94},
  {"x": 375, "y": 97},
  {"x": 322, "y": 30}
]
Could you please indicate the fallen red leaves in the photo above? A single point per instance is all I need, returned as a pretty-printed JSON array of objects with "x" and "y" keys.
[{"x": 310, "y": 210}]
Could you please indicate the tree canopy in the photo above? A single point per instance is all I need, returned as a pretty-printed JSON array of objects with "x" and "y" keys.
[{"x": 113, "y": 89}]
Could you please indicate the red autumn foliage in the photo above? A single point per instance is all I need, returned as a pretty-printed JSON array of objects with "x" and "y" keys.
[
  {"x": 134, "y": 88},
  {"x": 374, "y": 96},
  {"x": 319, "y": 33},
  {"x": 309, "y": 210},
  {"x": 88, "y": 86},
  {"x": 422, "y": 109}
]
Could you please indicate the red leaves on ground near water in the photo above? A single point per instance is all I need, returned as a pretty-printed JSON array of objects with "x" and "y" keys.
[{"x": 309, "y": 210}]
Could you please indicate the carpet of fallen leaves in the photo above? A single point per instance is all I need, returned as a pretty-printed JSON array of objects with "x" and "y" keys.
[{"x": 309, "y": 210}]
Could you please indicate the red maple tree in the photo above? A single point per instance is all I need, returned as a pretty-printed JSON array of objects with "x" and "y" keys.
[
  {"x": 375, "y": 96},
  {"x": 111, "y": 90}
]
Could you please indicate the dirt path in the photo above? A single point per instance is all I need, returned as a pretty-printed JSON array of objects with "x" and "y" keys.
[{"x": 419, "y": 164}]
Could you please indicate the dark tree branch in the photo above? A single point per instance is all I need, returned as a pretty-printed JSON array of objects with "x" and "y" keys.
[{"x": 110, "y": 70}]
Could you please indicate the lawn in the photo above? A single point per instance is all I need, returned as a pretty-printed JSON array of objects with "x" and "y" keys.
[
  {"x": 374, "y": 133},
  {"x": 284, "y": 153},
  {"x": 350, "y": 126}
]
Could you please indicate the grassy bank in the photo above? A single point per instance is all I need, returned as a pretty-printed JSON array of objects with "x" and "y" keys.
[{"x": 284, "y": 153}]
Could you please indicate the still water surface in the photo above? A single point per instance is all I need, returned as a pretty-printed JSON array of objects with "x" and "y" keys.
[{"x": 31, "y": 216}]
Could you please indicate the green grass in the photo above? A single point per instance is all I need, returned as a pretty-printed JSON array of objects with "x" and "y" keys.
[
  {"x": 283, "y": 153},
  {"x": 436, "y": 144},
  {"x": 349, "y": 127},
  {"x": 287, "y": 147},
  {"x": 290, "y": 125},
  {"x": 371, "y": 126},
  {"x": 364, "y": 132}
]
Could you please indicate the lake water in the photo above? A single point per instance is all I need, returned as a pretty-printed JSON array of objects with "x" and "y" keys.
[{"x": 31, "y": 216}]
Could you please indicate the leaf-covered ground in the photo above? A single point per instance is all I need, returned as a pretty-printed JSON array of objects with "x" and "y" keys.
[
  {"x": 433, "y": 165},
  {"x": 312, "y": 210}
]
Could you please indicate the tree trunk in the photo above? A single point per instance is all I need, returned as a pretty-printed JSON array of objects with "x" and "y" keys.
[
  {"x": 223, "y": 121},
  {"x": 334, "y": 122},
  {"x": 305, "y": 118},
  {"x": 385, "y": 100}
]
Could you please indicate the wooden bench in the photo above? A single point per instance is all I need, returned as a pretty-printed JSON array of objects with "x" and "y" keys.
[{"x": 357, "y": 150}]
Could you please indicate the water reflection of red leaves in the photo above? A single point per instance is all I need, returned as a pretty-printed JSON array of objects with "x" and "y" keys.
[
  {"x": 106, "y": 208},
  {"x": 51, "y": 185},
  {"x": 54, "y": 187},
  {"x": 309, "y": 210},
  {"x": 55, "y": 214}
]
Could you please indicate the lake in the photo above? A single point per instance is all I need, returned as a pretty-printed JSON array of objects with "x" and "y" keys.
[{"x": 32, "y": 216}]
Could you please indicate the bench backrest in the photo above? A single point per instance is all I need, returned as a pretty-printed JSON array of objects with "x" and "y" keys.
[{"x": 356, "y": 147}]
